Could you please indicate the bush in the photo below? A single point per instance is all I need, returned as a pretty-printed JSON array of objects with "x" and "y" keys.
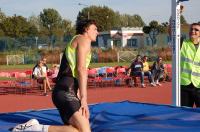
[{"x": 109, "y": 55}]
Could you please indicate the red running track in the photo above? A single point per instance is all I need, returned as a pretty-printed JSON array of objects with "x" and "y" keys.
[{"x": 157, "y": 95}]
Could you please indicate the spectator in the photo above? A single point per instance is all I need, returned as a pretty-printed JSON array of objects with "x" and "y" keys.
[
  {"x": 54, "y": 72},
  {"x": 136, "y": 69},
  {"x": 44, "y": 60},
  {"x": 147, "y": 72},
  {"x": 41, "y": 75},
  {"x": 157, "y": 70},
  {"x": 44, "y": 64},
  {"x": 190, "y": 68}
]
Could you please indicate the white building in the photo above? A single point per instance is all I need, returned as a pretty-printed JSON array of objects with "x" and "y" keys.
[{"x": 125, "y": 37}]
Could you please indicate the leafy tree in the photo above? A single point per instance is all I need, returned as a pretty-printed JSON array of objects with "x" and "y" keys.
[
  {"x": 35, "y": 21},
  {"x": 2, "y": 17},
  {"x": 32, "y": 31},
  {"x": 131, "y": 21},
  {"x": 183, "y": 20},
  {"x": 68, "y": 30},
  {"x": 138, "y": 22},
  {"x": 153, "y": 30},
  {"x": 146, "y": 29},
  {"x": 67, "y": 27},
  {"x": 35, "y": 25},
  {"x": 51, "y": 19},
  {"x": 15, "y": 26},
  {"x": 108, "y": 19},
  {"x": 1, "y": 32},
  {"x": 105, "y": 17}
]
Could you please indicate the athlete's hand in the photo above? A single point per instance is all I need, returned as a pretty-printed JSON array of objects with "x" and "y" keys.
[{"x": 84, "y": 108}]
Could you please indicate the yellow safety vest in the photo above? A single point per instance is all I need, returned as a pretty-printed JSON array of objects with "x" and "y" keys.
[{"x": 190, "y": 64}]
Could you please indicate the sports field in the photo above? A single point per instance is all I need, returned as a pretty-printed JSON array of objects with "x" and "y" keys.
[
  {"x": 33, "y": 100},
  {"x": 158, "y": 95}
]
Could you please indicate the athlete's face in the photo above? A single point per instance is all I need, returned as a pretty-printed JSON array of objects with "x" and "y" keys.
[{"x": 92, "y": 32}]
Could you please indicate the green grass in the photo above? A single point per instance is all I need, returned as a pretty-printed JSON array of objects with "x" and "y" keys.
[
  {"x": 12, "y": 67},
  {"x": 6, "y": 78},
  {"x": 92, "y": 65}
]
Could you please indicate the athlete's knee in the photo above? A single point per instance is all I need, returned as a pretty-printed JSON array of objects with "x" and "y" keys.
[
  {"x": 80, "y": 122},
  {"x": 83, "y": 125}
]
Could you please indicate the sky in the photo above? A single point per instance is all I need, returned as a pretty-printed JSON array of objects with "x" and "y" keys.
[{"x": 149, "y": 10}]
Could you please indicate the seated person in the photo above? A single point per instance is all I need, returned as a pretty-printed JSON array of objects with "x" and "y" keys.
[
  {"x": 40, "y": 74},
  {"x": 54, "y": 71},
  {"x": 44, "y": 60},
  {"x": 157, "y": 70},
  {"x": 136, "y": 69},
  {"x": 44, "y": 64},
  {"x": 146, "y": 70}
]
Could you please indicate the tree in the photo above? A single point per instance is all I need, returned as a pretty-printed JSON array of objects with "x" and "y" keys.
[
  {"x": 67, "y": 27},
  {"x": 15, "y": 26},
  {"x": 2, "y": 17},
  {"x": 183, "y": 20},
  {"x": 51, "y": 19},
  {"x": 131, "y": 21},
  {"x": 105, "y": 17},
  {"x": 32, "y": 31},
  {"x": 108, "y": 19},
  {"x": 68, "y": 30},
  {"x": 35, "y": 21},
  {"x": 153, "y": 30},
  {"x": 138, "y": 22}
]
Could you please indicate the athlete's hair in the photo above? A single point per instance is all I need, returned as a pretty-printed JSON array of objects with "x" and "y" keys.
[{"x": 81, "y": 26}]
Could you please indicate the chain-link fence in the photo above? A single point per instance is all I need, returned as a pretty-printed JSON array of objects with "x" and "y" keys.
[
  {"x": 33, "y": 48},
  {"x": 29, "y": 43}
]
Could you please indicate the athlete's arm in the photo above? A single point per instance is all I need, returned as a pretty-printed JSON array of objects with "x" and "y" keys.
[{"x": 83, "y": 48}]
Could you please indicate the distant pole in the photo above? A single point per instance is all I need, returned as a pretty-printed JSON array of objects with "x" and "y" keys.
[
  {"x": 50, "y": 35},
  {"x": 88, "y": 13},
  {"x": 36, "y": 39},
  {"x": 175, "y": 41}
]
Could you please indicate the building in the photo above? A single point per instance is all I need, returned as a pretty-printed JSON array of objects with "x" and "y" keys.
[{"x": 124, "y": 37}]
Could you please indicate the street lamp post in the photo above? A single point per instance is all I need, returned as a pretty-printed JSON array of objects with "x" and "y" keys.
[
  {"x": 50, "y": 35},
  {"x": 36, "y": 39},
  {"x": 88, "y": 13}
]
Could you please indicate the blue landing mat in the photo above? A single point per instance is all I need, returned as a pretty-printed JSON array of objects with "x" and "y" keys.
[{"x": 118, "y": 117}]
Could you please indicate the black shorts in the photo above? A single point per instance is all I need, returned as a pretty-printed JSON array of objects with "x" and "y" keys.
[{"x": 65, "y": 98}]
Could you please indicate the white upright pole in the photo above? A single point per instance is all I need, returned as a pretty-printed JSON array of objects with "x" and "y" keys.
[{"x": 175, "y": 40}]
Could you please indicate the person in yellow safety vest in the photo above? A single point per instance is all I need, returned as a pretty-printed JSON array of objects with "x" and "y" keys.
[{"x": 190, "y": 68}]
